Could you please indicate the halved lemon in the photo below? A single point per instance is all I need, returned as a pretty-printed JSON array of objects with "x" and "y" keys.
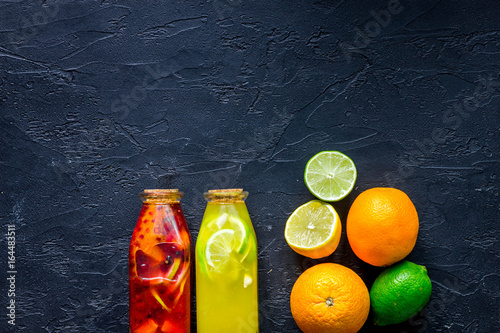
[{"x": 313, "y": 229}]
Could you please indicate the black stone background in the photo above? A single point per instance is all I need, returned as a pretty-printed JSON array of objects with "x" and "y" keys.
[{"x": 101, "y": 99}]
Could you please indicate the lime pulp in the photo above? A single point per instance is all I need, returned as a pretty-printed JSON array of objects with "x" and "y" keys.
[{"x": 330, "y": 175}]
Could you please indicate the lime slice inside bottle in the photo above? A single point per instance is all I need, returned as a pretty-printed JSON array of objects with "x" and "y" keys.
[
  {"x": 227, "y": 222},
  {"x": 219, "y": 248},
  {"x": 221, "y": 257},
  {"x": 241, "y": 234},
  {"x": 330, "y": 175}
]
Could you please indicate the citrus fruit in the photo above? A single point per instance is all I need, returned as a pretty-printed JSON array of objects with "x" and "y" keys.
[
  {"x": 399, "y": 293},
  {"x": 330, "y": 175},
  {"x": 329, "y": 298},
  {"x": 313, "y": 229},
  {"x": 149, "y": 326},
  {"x": 219, "y": 247},
  {"x": 222, "y": 253},
  {"x": 225, "y": 221},
  {"x": 382, "y": 226}
]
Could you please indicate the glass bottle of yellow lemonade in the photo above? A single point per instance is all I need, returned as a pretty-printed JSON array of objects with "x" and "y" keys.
[{"x": 226, "y": 266}]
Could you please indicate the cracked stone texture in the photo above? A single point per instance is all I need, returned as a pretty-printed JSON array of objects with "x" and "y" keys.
[{"x": 101, "y": 99}]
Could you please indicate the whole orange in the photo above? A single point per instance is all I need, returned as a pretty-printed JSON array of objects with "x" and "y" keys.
[
  {"x": 382, "y": 226},
  {"x": 329, "y": 298}
]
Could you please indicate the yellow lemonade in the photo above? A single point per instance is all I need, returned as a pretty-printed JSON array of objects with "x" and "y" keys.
[{"x": 226, "y": 266}]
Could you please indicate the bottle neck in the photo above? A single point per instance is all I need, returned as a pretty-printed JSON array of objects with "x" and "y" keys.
[
  {"x": 161, "y": 196},
  {"x": 226, "y": 196}
]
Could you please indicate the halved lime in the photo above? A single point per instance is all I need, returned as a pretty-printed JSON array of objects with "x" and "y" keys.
[
  {"x": 313, "y": 229},
  {"x": 330, "y": 175}
]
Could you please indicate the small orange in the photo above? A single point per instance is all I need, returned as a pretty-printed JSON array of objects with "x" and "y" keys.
[
  {"x": 329, "y": 298},
  {"x": 382, "y": 226}
]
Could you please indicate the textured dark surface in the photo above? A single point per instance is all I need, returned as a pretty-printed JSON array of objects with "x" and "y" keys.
[{"x": 101, "y": 99}]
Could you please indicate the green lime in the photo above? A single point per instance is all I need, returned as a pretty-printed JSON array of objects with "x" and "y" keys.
[
  {"x": 399, "y": 293},
  {"x": 330, "y": 175}
]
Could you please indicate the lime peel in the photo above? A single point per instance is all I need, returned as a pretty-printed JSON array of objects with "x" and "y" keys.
[{"x": 399, "y": 293}]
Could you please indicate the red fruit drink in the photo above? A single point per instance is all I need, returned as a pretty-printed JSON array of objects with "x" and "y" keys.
[{"x": 160, "y": 266}]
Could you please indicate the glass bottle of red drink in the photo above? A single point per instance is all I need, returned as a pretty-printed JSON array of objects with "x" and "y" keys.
[{"x": 160, "y": 266}]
